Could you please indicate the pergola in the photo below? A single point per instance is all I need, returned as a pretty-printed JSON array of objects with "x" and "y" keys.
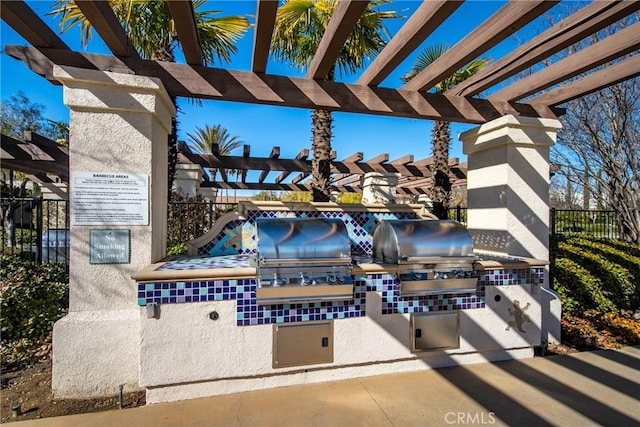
[{"x": 537, "y": 95}]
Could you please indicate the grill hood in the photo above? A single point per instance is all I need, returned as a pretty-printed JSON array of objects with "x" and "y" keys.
[
  {"x": 432, "y": 256},
  {"x": 302, "y": 260}
]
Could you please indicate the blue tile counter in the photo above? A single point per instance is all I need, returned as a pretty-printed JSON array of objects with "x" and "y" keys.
[{"x": 232, "y": 278}]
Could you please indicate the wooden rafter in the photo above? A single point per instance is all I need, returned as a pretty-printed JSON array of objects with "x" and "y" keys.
[
  {"x": 19, "y": 16},
  {"x": 265, "y": 19},
  {"x": 616, "y": 73},
  {"x": 275, "y": 154},
  {"x": 302, "y": 156},
  {"x": 106, "y": 24},
  {"x": 612, "y": 47},
  {"x": 246, "y": 153},
  {"x": 423, "y": 22},
  {"x": 215, "y": 83},
  {"x": 506, "y": 21},
  {"x": 35, "y": 157},
  {"x": 196, "y": 81},
  {"x": 576, "y": 27},
  {"x": 343, "y": 20},
  {"x": 184, "y": 20}
]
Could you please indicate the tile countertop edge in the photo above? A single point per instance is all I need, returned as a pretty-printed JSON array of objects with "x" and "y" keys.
[{"x": 151, "y": 273}]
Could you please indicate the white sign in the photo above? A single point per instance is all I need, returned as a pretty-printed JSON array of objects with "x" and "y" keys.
[{"x": 108, "y": 198}]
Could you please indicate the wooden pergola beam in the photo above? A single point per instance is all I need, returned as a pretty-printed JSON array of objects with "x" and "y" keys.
[
  {"x": 19, "y": 16},
  {"x": 380, "y": 158},
  {"x": 246, "y": 153},
  {"x": 275, "y": 154},
  {"x": 214, "y": 83},
  {"x": 506, "y": 21},
  {"x": 429, "y": 16},
  {"x": 265, "y": 19},
  {"x": 184, "y": 20},
  {"x": 300, "y": 177},
  {"x": 355, "y": 157},
  {"x": 33, "y": 158},
  {"x": 106, "y": 24},
  {"x": 302, "y": 155},
  {"x": 616, "y": 73},
  {"x": 591, "y": 18},
  {"x": 608, "y": 49},
  {"x": 343, "y": 20}
]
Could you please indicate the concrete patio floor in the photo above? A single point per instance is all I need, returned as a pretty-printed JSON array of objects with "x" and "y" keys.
[{"x": 580, "y": 389}]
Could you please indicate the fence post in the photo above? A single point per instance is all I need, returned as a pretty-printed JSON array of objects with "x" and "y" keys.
[
  {"x": 39, "y": 220},
  {"x": 210, "y": 215}
]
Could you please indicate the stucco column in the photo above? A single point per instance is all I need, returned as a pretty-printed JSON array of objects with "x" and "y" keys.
[
  {"x": 508, "y": 185},
  {"x": 379, "y": 187},
  {"x": 118, "y": 125},
  {"x": 187, "y": 180}
]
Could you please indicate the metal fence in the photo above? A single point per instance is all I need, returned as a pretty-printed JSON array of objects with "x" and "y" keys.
[
  {"x": 599, "y": 223},
  {"x": 36, "y": 228},
  {"x": 188, "y": 220}
]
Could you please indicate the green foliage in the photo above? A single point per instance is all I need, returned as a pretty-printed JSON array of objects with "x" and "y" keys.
[
  {"x": 597, "y": 273},
  {"x": 599, "y": 282},
  {"x": 32, "y": 297},
  {"x": 263, "y": 196},
  {"x": 19, "y": 114},
  {"x": 350, "y": 198},
  {"x": 297, "y": 196},
  {"x": 177, "y": 249},
  {"x": 188, "y": 218}
]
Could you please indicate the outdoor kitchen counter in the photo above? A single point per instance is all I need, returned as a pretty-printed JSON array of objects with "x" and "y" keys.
[{"x": 241, "y": 266}]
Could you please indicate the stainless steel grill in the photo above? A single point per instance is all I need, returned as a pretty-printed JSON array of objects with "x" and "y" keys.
[
  {"x": 432, "y": 256},
  {"x": 302, "y": 259}
]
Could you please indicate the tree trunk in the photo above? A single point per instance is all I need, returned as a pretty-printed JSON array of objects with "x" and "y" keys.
[
  {"x": 321, "y": 121},
  {"x": 440, "y": 192},
  {"x": 322, "y": 124}
]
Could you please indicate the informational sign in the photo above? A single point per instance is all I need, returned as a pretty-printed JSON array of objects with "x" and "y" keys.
[
  {"x": 109, "y": 199},
  {"x": 109, "y": 246}
]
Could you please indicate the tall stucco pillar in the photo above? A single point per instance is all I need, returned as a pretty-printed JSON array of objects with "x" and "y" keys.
[
  {"x": 379, "y": 187},
  {"x": 118, "y": 125},
  {"x": 508, "y": 185}
]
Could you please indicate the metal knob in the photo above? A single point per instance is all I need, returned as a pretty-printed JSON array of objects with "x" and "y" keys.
[{"x": 304, "y": 280}]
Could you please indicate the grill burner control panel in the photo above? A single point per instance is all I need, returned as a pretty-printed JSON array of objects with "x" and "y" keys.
[{"x": 302, "y": 279}]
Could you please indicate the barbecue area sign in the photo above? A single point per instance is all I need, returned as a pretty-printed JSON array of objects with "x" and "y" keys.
[{"x": 105, "y": 198}]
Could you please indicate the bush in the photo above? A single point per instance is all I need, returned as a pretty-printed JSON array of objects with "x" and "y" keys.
[
  {"x": 599, "y": 282},
  {"x": 597, "y": 273},
  {"x": 32, "y": 297}
]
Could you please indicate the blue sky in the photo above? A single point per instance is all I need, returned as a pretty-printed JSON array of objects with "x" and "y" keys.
[{"x": 263, "y": 127}]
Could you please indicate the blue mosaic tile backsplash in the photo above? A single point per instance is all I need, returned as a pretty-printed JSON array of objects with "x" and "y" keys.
[{"x": 248, "y": 312}]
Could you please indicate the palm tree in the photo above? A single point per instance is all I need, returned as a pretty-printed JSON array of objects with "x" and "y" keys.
[
  {"x": 441, "y": 133},
  {"x": 205, "y": 138},
  {"x": 299, "y": 27},
  {"x": 152, "y": 32}
]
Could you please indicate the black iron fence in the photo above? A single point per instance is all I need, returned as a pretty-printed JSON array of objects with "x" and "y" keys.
[
  {"x": 599, "y": 223},
  {"x": 39, "y": 228},
  {"x": 36, "y": 228},
  {"x": 188, "y": 220}
]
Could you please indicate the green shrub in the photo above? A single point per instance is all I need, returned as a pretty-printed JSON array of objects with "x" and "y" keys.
[
  {"x": 599, "y": 282},
  {"x": 32, "y": 297},
  {"x": 600, "y": 266}
]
